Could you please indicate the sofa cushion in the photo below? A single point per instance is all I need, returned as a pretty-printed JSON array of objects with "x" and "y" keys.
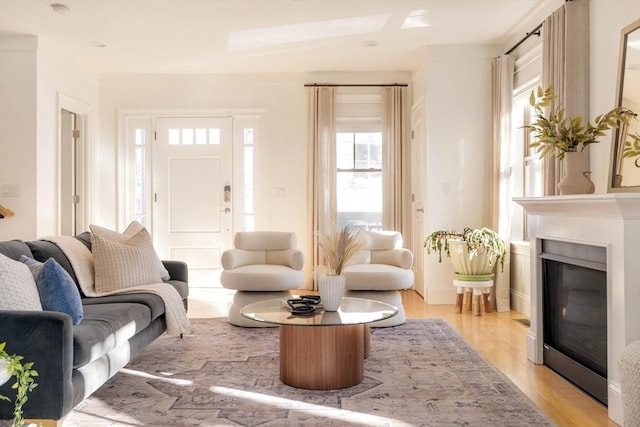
[
  {"x": 123, "y": 265},
  {"x": 153, "y": 301},
  {"x": 14, "y": 249},
  {"x": 18, "y": 289},
  {"x": 377, "y": 277},
  {"x": 57, "y": 290},
  {"x": 42, "y": 250},
  {"x": 106, "y": 326}
]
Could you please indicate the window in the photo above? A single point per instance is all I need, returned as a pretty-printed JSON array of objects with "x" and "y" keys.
[
  {"x": 359, "y": 180},
  {"x": 359, "y": 158},
  {"x": 249, "y": 205}
]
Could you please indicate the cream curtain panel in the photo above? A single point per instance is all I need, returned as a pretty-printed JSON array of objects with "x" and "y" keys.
[
  {"x": 565, "y": 59},
  {"x": 502, "y": 73},
  {"x": 395, "y": 161},
  {"x": 322, "y": 165}
]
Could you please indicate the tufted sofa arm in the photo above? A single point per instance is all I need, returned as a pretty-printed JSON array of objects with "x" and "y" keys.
[{"x": 234, "y": 258}]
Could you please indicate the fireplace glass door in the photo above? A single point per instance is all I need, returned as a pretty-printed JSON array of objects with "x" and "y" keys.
[{"x": 575, "y": 314}]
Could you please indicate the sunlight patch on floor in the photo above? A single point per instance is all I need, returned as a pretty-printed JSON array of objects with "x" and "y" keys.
[{"x": 323, "y": 411}]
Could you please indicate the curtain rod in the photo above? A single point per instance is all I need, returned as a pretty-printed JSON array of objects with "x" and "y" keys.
[
  {"x": 535, "y": 31},
  {"x": 354, "y": 85}
]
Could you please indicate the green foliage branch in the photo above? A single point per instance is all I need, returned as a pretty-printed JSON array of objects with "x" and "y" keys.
[
  {"x": 555, "y": 134},
  {"x": 478, "y": 240},
  {"x": 24, "y": 384}
]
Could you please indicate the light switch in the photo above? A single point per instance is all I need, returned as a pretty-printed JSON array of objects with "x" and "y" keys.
[
  {"x": 281, "y": 192},
  {"x": 11, "y": 190}
]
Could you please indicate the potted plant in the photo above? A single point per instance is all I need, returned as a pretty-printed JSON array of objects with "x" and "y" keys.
[
  {"x": 338, "y": 247},
  {"x": 11, "y": 365},
  {"x": 474, "y": 252},
  {"x": 559, "y": 136}
]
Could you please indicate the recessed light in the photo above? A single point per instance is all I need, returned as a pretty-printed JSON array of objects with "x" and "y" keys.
[
  {"x": 370, "y": 43},
  {"x": 60, "y": 8}
]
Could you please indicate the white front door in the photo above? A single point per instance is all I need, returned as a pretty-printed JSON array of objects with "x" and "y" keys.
[{"x": 192, "y": 193}]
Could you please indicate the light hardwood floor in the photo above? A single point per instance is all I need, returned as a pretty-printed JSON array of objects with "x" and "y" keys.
[{"x": 497, "y": 336}]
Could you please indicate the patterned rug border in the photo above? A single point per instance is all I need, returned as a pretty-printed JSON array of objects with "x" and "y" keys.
[{"x": 421, "y": 373}]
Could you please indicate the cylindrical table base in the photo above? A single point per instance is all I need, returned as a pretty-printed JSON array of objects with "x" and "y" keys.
[{"x": 322, "y": 357}]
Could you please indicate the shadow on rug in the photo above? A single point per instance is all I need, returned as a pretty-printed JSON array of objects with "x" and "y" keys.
[{"x": 421, "y": 373}]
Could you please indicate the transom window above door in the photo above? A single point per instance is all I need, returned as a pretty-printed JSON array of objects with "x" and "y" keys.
[{"x": 196, "y": 136}]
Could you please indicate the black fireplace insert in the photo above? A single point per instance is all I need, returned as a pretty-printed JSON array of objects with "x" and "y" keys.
[{"x": 574, "y": 278}]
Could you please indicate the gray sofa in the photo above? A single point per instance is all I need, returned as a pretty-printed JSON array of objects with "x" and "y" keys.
[{"x": 74, "y": 361}]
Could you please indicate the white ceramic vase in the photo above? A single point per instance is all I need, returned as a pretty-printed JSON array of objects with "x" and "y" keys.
[
  {"x": 331, "y": 289},
  {"x": 576, "y": 180}
]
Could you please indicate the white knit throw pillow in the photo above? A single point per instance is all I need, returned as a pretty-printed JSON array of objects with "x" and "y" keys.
[
  {"x": 131, "y": 230},
  {"x": 18, "y": 289},
  {"x": 120, "y": 265}
]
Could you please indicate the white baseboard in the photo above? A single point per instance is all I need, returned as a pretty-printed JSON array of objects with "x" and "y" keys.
[
  {"x": 441, "y": 294},
  {"x": 521, "y": 303}
]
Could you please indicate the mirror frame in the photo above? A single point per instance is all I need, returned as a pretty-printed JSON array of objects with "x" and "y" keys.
[{"x": 617, "y": 142}]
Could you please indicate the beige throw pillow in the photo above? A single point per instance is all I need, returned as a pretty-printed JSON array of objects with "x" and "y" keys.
[
  {"x": 120, "y": 265},
  {"x": 132, "y": 229}
]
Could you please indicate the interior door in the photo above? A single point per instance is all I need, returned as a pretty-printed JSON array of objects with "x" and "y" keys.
[
  {"x": 71, "y": 218},
  {"x": 193, "y": 193}
]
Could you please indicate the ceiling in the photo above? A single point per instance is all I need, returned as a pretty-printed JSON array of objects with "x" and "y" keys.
[{"x": 224, "y": 36}]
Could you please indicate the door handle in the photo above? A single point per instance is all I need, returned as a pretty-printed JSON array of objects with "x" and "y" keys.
[
  {"x": 227, "y": 193},
  {"x": 420, "y": 210}
]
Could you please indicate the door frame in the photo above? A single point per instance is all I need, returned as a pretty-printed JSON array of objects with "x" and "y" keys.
[
  {"x": 124, "y": 115},
  {"x": 83, "y": 113}
]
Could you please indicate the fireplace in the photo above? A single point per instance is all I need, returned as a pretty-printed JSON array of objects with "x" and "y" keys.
[
  {"x": 574, "y": 296},
  {"x": 610, "y": 222}
]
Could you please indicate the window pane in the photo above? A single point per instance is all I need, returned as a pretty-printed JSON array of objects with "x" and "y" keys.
[
  {"x": 140, "y": 181},
  {"x": 359, "y": 200},
  {"x": 201, "y": 136},
  {"x": 368, "y": 150},
  {"x": 248, "y": 180},
  {"x": 214, "y": 136},
  {"x": 174, "y": 136},
  {"x": 248, "y": 136},
  {"x": 187, "y": 136},
  {"x": 344, "y": 150},
  {"x": 140, "y": 136}
]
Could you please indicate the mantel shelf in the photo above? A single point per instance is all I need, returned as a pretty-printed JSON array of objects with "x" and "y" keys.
[{"x": 609, "y": 205}]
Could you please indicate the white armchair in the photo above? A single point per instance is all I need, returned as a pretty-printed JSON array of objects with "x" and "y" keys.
[
  {"x": 379, "y": 271},
  {"x": 263, "y": 265}
]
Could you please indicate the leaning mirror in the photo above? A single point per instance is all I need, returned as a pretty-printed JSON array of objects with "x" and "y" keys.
[{"x": 624, "y": 175}]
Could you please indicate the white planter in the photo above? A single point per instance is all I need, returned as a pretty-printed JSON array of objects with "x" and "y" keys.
[
  {"x": 331, "y": 290},
  {"x": 468, "y": 264}
]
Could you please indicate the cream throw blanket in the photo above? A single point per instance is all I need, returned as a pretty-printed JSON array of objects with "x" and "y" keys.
[{"x": 81, "y": 260}]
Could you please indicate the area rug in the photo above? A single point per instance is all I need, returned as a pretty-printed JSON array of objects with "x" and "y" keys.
[{"x": 421, "y": 373}]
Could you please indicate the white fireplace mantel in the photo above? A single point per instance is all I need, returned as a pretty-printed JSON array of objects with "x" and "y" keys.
[{"x": 611, "y": 221}]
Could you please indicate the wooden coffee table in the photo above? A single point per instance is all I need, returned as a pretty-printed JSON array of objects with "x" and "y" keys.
[{"x": 327, "y": 350}]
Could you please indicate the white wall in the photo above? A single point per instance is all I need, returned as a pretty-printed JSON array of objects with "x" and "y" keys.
[
  {"x": 18, "y": 134},
  {"x": 281, "y": 152},
  {"x": 59, "y": 73},
  {"x": 456, "y": 84},
  {"x": 32, "y": 74}
]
